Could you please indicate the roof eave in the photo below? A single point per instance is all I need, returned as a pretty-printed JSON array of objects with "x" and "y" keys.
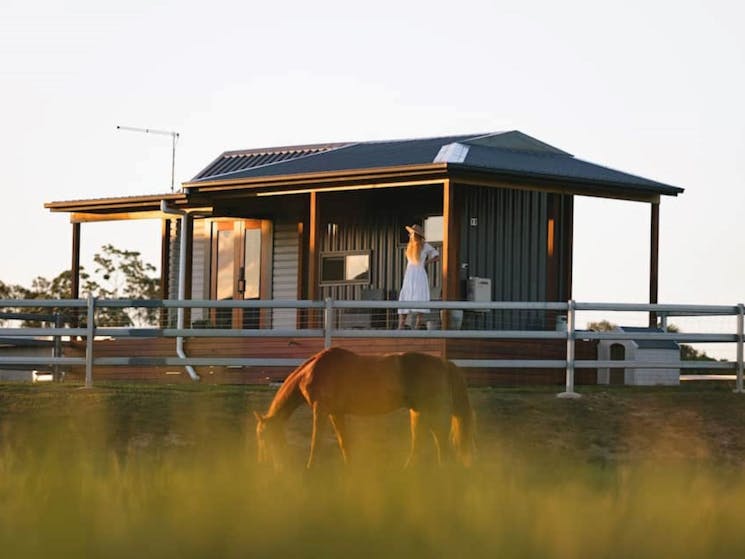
[
  {"x": 347, "y": 176},
  {"x": 572, "y": 185},
  {"x": 125, "y": 203}
]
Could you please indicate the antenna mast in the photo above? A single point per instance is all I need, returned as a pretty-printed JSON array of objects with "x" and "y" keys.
[{"x": 174, "y": 137}]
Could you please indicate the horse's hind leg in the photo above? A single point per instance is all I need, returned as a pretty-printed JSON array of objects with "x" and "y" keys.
[
  {"x": 440, "y": 429},
  {"x": 338, "y": 421},
  {"x": 438, "y": 425}
]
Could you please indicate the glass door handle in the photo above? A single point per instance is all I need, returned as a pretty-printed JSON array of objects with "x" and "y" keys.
[{"x": 242, "y": 280}]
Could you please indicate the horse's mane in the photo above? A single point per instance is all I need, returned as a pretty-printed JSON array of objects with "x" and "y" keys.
[{"x": 288, "y": 396}]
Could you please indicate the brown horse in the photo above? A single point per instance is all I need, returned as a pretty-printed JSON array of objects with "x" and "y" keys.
[{"x": 337, "y": 382}]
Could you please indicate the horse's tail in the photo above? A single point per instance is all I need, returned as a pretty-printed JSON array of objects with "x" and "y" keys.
[{"x": 462, "y": 423}]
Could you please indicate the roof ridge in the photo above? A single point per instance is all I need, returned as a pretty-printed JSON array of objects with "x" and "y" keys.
[
  {"x": 333, "y": 145},
  {"x": 532, "y": 144},
  {"x": 530, "y": 152},
  {"x": 429, "y": 138},
  {"x": 490, "y": 134}
]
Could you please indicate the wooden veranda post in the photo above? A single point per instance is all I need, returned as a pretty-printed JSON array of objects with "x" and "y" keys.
[
  {"x": 75, "y": 265},
  {"x": 313, "y": 257},
  {"x": 75, "y": 272},
  {"x": 654, "y": 259},
  {"x": 165, "y": 266},
  {"x": 189, "y": 268},
  {"x": 450, "y": 276},
  {"x": 568, "y": 247}
]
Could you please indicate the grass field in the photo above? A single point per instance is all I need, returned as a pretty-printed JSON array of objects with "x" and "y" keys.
[{"x": 123, "y": 470}]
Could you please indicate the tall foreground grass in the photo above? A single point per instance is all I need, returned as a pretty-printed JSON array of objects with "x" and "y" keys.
[{"x": 79, "y": 487}]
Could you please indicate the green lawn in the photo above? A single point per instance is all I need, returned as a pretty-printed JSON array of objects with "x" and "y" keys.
[{"x": 169, "y": 471}]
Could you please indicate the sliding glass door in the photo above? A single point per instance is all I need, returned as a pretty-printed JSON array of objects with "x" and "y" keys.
[{"x": 241, "y": 263}]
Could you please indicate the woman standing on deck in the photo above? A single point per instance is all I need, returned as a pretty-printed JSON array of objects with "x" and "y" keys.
[{"x": 416, "y": 283}]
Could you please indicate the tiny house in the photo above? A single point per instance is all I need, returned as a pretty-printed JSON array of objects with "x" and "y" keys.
[{"x": 327, "y": 220}]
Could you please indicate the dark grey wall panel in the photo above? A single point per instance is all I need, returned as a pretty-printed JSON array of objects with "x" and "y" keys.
[{"x": 503, "y": 237}]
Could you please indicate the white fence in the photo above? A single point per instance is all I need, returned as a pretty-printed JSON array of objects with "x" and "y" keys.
[{"x": 85, "y": 310}]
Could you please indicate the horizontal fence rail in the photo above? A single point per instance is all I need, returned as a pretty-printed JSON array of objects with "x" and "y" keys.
[{"x": 76, "y": 318}]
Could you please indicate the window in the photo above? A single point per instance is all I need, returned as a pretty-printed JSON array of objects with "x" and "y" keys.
[
  {"x": 434, "y": 229},
  {"x": 345, "y": 267}
]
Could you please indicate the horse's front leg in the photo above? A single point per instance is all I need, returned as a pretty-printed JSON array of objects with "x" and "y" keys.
[
  {"x": 314, "y": 433},
  {"x": 339, "y": 422}
]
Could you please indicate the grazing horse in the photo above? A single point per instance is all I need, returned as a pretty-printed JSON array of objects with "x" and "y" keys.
[{"x": 337, "y": 382}]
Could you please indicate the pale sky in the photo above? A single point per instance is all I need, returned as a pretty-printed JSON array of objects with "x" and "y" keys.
[{"x": 651, "y": 87}]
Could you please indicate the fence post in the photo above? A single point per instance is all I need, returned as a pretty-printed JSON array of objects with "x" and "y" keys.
[
  {"x": 740, "y": 340},
  {"x": 569, "y": 392},
  {"x": 89, "y": 343},
  {"x": 328, "y": 321},
  {"x": 663, "y": 321},
  {"x": 57, "y": 351}
]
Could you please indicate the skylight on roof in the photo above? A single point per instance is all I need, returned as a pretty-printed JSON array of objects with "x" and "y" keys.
[{"x": 452, "y": 153}]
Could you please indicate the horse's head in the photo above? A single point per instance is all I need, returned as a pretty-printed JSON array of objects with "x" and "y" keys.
[{"x": 270, "y": 439}]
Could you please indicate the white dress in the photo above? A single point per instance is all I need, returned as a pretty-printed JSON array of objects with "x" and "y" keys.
[{"x": 416, "y": 284}]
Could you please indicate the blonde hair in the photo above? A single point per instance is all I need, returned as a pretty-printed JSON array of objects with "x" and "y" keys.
[{"x": 414, "y": 248}]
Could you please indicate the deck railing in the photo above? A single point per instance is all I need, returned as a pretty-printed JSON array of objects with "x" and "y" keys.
[{"x": 82, "y": 324}]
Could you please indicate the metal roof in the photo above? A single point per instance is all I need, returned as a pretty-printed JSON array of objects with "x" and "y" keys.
[
  {"x": 246, "y": 159},
  {"x": 344, "y": 157},
  {"x": 508, "y": 154},
  {"x": 510, "y": 157}
]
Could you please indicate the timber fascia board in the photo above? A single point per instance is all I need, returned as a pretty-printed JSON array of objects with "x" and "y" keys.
[
  {"x": 469, "y": 176},
  {"x": 120, "y": 204},
  {"x": 320, "y": 180}
]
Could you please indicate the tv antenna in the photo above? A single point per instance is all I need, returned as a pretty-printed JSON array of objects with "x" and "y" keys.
[{"x": 174, "y": 137}]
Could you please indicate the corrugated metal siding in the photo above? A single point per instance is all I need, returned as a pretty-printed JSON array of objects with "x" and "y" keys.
[
  {"x": 380, "y": 235},
  {"x": 286, "y": 253},
  {"x": 374, "y": 221},
  {"x": 508, "y": 245}
]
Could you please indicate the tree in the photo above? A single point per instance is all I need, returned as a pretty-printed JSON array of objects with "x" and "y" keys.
[
  {"x": 601, "y": 326},
  {"x": 10, "y": 291},
  {"x": 117, "y": 274},
  {"x": 687, "y": 352},
  {"x": 127, "y": 276}
]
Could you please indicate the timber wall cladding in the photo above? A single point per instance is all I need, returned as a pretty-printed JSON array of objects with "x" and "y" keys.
[
  {"x": 200, "y": 288},
  {"x": 285, "y": 269}
]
